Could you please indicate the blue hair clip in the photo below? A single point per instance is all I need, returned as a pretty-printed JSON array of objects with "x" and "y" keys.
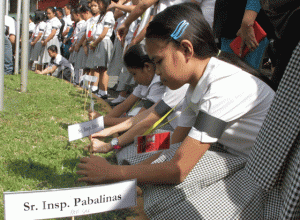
[{"x": 180, "y": 29}]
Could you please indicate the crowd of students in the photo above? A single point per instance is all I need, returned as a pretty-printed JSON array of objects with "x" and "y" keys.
[{"x": 210, "y": 100}]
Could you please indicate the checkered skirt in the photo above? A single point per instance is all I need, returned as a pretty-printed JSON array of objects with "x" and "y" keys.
[{"x": 220, "y": 187}]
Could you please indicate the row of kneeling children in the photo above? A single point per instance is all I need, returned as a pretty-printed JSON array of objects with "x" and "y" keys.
[{"x": 217, "y": 105}]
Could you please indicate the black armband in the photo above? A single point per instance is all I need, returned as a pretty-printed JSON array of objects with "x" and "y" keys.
[
  {"x": 146, "y": 103},
  {"x": 162, "y": 108},
  {"x": 107, "y": 24},
  {"x": 213, "y": 126}
]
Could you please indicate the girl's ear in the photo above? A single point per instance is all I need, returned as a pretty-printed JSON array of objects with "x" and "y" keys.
[
  {"x": 148, "y": 66},
  {"x": 187, "y": 48}
]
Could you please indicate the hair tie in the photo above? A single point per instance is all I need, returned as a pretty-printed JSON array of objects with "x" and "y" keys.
[{"x": 179, "y": 30}]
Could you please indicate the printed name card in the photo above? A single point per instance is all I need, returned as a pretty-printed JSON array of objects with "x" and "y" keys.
[
  {"x": 85, "y": 129},
  {"x": 57, "y": 203},
  {"x": 153, "y": 142}
]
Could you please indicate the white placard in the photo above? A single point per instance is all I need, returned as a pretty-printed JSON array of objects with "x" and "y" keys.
[
  {"x": 56, "y": 203},
  {"x": 90, "y": 78},
  {"x": 85, "y": 129},
  {"x": 134, "y": 111}
]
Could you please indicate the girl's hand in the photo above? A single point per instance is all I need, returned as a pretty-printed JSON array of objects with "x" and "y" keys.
[
  {"x": 102, "y": 134},
  {"x": 122, "y": 32},
  {"x": 90, "y": 39},
  {"x": 32, "y": 43},
  {"x": 100, "y": 146},
  {"x": 38, "y": 72},
  {"x": 44, "y": 43},
  {"x": 248, "y": 38},
  {"x": 77, "y": 48},
  {"x": 111, "y": 6},
  {"x": 94, "y": 114},
  {"x": 85, "y": 50},
  {"x": 94, "y": 169}
]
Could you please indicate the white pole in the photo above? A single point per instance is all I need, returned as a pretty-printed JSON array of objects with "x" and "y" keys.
[
  {"x": 25, "y": 41},
  {"x": 18, "y": 37},
  {"x": 2, "y": 36},
  {"x": 7, "y": 7}
]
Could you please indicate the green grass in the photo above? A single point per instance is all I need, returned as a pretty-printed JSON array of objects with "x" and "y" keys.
[{"x": 35, "y": 153}]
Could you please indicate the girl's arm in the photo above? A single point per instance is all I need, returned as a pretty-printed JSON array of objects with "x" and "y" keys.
[
  {"x": 246, "y": 32},
  {"x": 50, "y": 37},
  {"x": 101, "y": 37},
  {"x": 36, "y": 39},
  {"x": 48, "y": 70},
  {"x": 144, "y": 120},
  {"x": 125, "y": 8},
  {"x": 80, "y": 42},
  {"x": 98, "y": 170},
  {"x": 141, "y": 35}
]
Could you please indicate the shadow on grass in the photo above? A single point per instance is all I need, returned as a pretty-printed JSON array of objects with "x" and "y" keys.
[{"x": 46, "y": 175}]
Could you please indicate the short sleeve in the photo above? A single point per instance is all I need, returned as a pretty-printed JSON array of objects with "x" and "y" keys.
[
  {"x": 109, "y": 20},
  {"x": 56, "y": 24},
  {"x": 137, "y": 91},
  {"x": 156, "y": 92},
  {"x": 253, "y": 5},
  {"x": 173, "y": 97},
  {"x": 42, "y": 27}
]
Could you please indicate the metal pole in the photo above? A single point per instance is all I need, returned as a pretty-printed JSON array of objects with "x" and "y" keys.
[
  {"x": 18, "y": 38},
  {"x": 2, "y": 36},
  {"x": 25, "y": 41},
  {"x": 6, "y": 7}
]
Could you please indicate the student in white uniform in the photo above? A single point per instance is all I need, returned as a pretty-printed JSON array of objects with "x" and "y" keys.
[
  {"x": 149, "y": 90},
  {"x": 50, "y": 35},
  {"x": 101, "y": 47},
  {"x": 125, "y": 78},
  {"x": 77, "y": 35},
  {"x": 31, "y": 26},
  {"x": 37, "y": 37},
  {"x": 81, "y": 47},
  {"x": 58, "y": 64},
  {"x": 226, "y": 104},
  {"x": 68, "y": 20},
  {"x": 90, "y": 31}
]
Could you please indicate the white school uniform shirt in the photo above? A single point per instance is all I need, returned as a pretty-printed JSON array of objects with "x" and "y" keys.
[
  {"x": 82, "y": 29},
  {"x": 68, "y": 23},
  {"x": 76, "y": 31},
  {"x": 61, "y": 63},
  {"x": 232, "y": 95},
  {"x": 91, "y": 25},
  {"x": 40, "y": 28},
  {"x": 107, "y": 21},
  {"x": 153, "y": 92},
  {"x": 31, "y": 27},
  {"x": 51, "y": 24},
  {"x": 171, "y": 99},
  {"x": 11, "y": 23}
]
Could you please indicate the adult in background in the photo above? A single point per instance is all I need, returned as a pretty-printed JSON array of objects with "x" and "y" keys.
[
  {"x": 236, "y": 18},
  {"x": 284, "y": 16}
]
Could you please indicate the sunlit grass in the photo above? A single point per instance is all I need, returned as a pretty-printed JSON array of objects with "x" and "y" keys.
[{"x": 35, "y": 153}]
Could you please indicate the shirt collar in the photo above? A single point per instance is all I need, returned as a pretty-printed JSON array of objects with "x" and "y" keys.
[{"x": 202, "y": 84}]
